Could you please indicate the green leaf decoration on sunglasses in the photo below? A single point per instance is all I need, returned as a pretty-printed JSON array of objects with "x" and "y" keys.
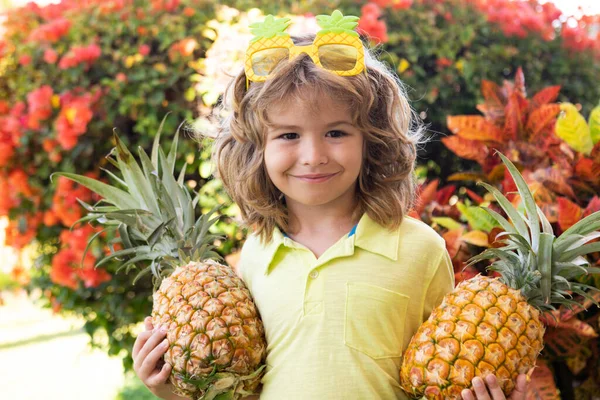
[
  {"x": 337, "y": 23},
  {"x": 269, "y": 28}
]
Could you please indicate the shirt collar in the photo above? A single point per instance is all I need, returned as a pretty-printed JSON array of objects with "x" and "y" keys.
[{"x": 369, "y": 236}]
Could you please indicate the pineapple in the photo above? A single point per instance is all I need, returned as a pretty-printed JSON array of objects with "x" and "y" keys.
[
  {"x": 216, "y": 338},
  {"x": 492, "y": 325}
]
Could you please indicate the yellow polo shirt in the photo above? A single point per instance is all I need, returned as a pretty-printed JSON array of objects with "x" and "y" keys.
[{"x": 336, "y": 326}]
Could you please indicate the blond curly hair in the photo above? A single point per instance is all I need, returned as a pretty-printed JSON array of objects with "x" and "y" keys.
[{"x": 380, "y": 109}]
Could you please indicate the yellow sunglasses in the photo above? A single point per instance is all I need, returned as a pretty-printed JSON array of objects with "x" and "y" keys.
[{"x": 336, "y": 48}]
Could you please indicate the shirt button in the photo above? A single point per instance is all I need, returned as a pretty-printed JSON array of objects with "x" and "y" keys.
[{"x": 314, "y": 274}]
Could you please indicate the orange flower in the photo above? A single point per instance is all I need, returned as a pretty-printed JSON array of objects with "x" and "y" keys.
[
  {"x": 50, "y": 218},
  {"x": 20, "y": 275},
  {"x": 93, "y": 277},
  {"x": 184, "y": 47},
  {"x": 40, "y": 106},
  {"x": 72, "y": 121},
  {"x": 62, "y": 272},
  {"x": 189, "y": 12}
]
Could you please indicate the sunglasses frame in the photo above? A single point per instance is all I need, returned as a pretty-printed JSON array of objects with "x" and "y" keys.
[{"x": 313, "y": 52}]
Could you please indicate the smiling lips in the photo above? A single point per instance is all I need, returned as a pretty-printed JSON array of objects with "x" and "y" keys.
[{"x": 315, "y": 178}]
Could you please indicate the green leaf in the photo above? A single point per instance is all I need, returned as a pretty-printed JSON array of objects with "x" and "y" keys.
[
  {"x": 478, "y": 219},
  {"x": 545, "y": 264},
  {"x": 508, "y": 208},
  {"x": 572, "y": 128},
  {"x": 594, "y": 123},
  {"x": 587, "y": 225},
  {"x": 528, "y": 201},
  {"x": 111, "y": 194},
  {"x": 137, "y": 184},
  {"x": 447, "y": 222}
]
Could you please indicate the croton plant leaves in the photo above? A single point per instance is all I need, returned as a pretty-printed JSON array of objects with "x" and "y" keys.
[
  {"x": 542, "y": 386},
  {"x": 573, "y": 129}
]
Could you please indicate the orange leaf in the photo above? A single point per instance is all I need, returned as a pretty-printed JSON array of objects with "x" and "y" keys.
[
  {"x": 492, "y": 93},
  {"x": 443, "y": 195},
  {"x": 520, "y": 83},
  {"x": 465, "y": 148},
  {"x": 546, "y": 95},
  {"x": 584, "y": 304},
  {"x": 568, "y": 213},
  {"x": 466, "y": 176},
  {"x": 453, "y": 240},
  {"x": 474, "y": 196},
  {"x": 515, "y": 116},
  {"x": 554, "y": 180},
  {"x": 592, "y": 207},
  {"x": 474, "y": 127},
  {"x": 541, "y": 117},
  {"x": 542, "y": 385},
  {"x": 426, "y": 195}
]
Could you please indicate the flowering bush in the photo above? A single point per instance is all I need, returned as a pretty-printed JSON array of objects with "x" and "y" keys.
[{"x": 70, "y": 73}]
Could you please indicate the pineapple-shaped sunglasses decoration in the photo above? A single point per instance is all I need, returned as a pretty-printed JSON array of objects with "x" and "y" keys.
[
  {"x": 492, "y": 325},
  {"x": 216, "y": 338},
  {"x": 337, "y": 47}
]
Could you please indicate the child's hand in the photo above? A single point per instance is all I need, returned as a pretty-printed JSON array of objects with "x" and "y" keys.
[
  {"x": 148, "y": 349},
  {"x": 495, "y": 393}
]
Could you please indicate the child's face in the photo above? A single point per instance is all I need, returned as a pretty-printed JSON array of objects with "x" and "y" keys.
[{"x": 313, "y": 158}]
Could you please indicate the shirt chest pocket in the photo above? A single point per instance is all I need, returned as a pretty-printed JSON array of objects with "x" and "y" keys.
[{"x": 374, "y": 320}]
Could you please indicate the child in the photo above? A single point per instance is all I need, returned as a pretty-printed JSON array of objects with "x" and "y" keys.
[{"x": 321, "y": 165}]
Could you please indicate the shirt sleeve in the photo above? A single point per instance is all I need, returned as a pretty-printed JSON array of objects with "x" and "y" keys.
[{"x": 441, "y": 284}]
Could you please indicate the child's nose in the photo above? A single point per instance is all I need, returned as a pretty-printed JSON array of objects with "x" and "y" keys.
[{"x": 313, "y": 152}]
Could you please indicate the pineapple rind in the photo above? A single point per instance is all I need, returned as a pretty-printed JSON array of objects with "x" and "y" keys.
[{"x": 471, "y": 334}]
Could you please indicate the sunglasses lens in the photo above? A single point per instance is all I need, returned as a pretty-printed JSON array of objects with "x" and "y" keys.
[
  {"x": 265, "y": 61},
  {"x": 338, "y": 57}
]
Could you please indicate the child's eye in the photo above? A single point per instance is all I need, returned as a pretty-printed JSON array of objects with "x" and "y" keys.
[
  {"x": 288, "y": 136},
  {"x": 337, "y": 134}
]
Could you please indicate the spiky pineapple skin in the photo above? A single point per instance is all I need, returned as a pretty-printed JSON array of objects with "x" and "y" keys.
[
  {"x": 482, "y": 327},
  {"x": 212, "y": 322}
]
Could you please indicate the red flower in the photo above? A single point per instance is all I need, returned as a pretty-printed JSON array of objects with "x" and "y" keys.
[
  {"x": 370, "y": 25},
  {"x": 80, "y": 55},
  {"x": 144, "y": 50},
  {"x": 51, "y": 31},
  {"x": 25, "y": 60},
  {"x": 50, "y": 56},
  {"x": 40, "y": 106}
]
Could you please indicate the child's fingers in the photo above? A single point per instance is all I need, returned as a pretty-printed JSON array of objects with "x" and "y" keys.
[
  {"x": 494, "y": 388},
  {"x": 140, "y": 341},
  {"x": 466, "y": 394},
  {"x": 480, "y": 389},
  {"x": 520, "y": 392},
  {"x": 161, "y": 377},
  {"x": 156, "y": 336},
  {"x": 150, "y": 361},
  {"x": 148, "y": 323}
]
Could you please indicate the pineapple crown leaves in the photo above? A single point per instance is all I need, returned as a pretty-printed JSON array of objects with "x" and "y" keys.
[
  {"x": 154, "y": 216},
  {"x": 337, "y": 23},
  {"x": 269, "y": 28},
  {"x": 533, "y": 259}
]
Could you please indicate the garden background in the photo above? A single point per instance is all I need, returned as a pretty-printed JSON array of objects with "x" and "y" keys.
[{"x": 524, "y": 72}]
